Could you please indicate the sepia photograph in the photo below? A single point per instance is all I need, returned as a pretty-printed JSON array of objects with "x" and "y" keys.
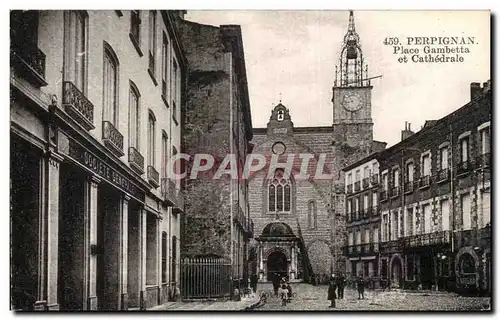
[{"x": 250, "y": 160}]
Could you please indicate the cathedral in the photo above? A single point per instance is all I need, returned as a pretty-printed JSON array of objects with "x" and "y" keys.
[{"x": 299, "y": 224}]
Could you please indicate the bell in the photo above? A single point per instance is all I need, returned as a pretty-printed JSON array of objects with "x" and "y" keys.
[{"x": 352, "y": 53}]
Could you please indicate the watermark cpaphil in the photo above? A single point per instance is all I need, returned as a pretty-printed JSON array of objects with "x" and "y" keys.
[{"x": 304, "y": 166}]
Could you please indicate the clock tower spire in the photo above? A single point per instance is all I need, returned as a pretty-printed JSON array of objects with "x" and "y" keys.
[{"x": 352, "y": 90}]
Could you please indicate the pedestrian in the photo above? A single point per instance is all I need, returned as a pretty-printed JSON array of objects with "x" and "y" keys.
[
  {"x": 361, "y": 287},
  {"x": 253, "y": 282},
  {"x": 276, "y": 282},
  {"x": 340, "y": 286},
  {"x": 289, "y": 288},
  {"x": 331, "y": 291},
  {"x": 283, "y": 292}
]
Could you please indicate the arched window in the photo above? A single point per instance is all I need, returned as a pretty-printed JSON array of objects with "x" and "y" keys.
[
  {"x": 151, "y": 138},
  {"x": 164, "y": 153},
  {"x": 312, "y": 215},
  {"x": 110, "y": 85},
  {"x": 279, "y": 192}
]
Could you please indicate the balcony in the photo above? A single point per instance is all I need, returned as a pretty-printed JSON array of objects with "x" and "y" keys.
[
  {"x": 427, "y": 239},
  {"x": 367, "y": 213},
  {"x": 408, "y": 187},
  {"x": 357, "y": 186},
  {"x": 112, "y": 138},
  {"x": 366, "y": 183},
  {"x": 78, "y": 106},
  {"x": 424, "y": 182},
  {"x": 383, "y": 195},
  {"x": 443, "y": 175},
  {"x": 361, "y": 249},
  {"x": 395, "y": 192},
  {"x": 153, "y": 176},
  {"x": 464, "y": 167},
  {"x": 374, "y": 180},
  {"x": 348, "y": 189},
  {"x": 179, "y": 202},
  {"x": 483, "y": 161},
  {"x": 168, "y": 191},
  {"x": 391, "y": 246},
  {"x": 30, "y": 62},
  {"x": 136, "y": 160}
]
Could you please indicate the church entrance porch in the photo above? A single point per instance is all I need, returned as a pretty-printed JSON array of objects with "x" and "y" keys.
[{"x": 277, "y": 250}]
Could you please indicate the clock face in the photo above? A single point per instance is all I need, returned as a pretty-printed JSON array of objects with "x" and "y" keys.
[
  {"x": 278, "y": 148},
  {"x": 352, "y": 101}
]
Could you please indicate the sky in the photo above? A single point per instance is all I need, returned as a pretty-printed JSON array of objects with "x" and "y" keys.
[{"x": 292, "y": 55}]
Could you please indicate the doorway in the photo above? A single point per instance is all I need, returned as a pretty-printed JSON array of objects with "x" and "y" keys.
[
  {"x": 426, "y": 271},
  {"x": 277, "y": 263},
  {"x": 396, "y": 273}
]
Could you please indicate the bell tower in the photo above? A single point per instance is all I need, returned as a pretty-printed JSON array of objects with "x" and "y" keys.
[{"x": 352, "y": 121}]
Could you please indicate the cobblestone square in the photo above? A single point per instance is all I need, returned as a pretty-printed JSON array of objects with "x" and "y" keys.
[{"x": 315, "y": 298}]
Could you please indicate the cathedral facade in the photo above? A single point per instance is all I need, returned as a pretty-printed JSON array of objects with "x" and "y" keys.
[{"x": 299, "y": 220}]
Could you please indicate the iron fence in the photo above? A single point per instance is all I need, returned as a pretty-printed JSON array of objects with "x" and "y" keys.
[{"x": 203, "y": 278}]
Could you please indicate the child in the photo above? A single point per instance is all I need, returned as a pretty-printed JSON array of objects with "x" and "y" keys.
[{"x": 283, "y": 294}]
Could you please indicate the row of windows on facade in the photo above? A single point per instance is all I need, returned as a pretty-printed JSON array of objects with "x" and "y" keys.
[
  {"x": 279, "y": 193},
  {"x": 406, "y": 225},
  {"x": 464, "y": 144},
  {"x": 403, "y": 225},
  {"x": 76, "y": 71}
]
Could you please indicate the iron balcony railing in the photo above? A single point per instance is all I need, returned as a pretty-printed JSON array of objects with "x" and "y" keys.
[
  {"x": 391, "y": 246},
  {"x": 443, "y": 175},
  {"x": 78, "y": 106},
  {"x": 135, "y": 159},
  {"x": 361, "y": 249},
  {"x": 464, "y": 167},
  {"x": 374, "y": 179},
  {"x": 168, "y": 190},
  {"x": 424, "y": 182},
  {"x": 366, "y": 183},
  {"x": 357, "y": 186},
  {"x": 395, "y": 192},
  {"x": 179, "y": 201},
  {"x": 383, "y": 195},
  {"x": 112, "y": 138},
  {"x": 348, "y": 189},
  {"x": 483, "y": 161},
  {"x": 33, "y": 57},
  {"x": 427, "y": 239},
  {"x": 408, "y": 186},
  {"x": 153, "y": 176}
]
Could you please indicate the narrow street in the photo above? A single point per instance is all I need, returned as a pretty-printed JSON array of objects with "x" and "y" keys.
[{"x": 314, "y": 298}]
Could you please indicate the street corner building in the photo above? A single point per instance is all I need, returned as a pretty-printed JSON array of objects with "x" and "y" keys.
[
  {"x": 96, "y": 100},
  {"x": 216, "y": 228},
  {"x": 299, "y": 223},
  {"x": 418, "y": 213}
]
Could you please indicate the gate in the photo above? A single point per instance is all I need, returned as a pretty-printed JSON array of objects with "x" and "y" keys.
[{"x": 203, "y": 277}]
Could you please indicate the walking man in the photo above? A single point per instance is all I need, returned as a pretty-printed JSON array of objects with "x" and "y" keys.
[
  {"x": 361, "y": 287},
  {"x": 331, "y": 291},
  {"x": 340, "y": 286}
]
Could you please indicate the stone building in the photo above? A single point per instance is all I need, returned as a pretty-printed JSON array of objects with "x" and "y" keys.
[
  {"x": 362, "y": 217},
  {"x": 434, "y": 202},
  {"x": 299, "y": 222},
  {"x": 217, "y": 123},
  {"x": 96, "y": 99}
]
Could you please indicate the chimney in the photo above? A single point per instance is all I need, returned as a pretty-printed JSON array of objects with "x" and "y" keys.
[
  {"x": 406, "y": 133},
  {"x": 475, "y": 90}
]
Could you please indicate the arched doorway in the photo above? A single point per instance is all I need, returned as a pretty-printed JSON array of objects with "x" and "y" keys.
[
  {"x": 396, "y": 273},
  {"x": 277, "y": 263}
]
